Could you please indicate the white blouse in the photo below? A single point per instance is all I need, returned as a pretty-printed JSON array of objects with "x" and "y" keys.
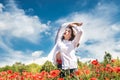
[{"x": 67, "y": 50}]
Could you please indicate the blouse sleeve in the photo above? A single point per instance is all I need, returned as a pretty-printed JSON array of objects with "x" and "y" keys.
[
  {"x": 78, "y": 32},
  {"x": 53, "y": 52}
]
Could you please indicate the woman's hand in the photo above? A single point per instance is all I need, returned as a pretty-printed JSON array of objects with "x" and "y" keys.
[
  {"x": 75, "y": 23},
  {"x": 78, "y": 24}
]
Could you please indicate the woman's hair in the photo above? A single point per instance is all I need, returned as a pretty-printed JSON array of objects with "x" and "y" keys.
[{"x": 72, "y": 34}]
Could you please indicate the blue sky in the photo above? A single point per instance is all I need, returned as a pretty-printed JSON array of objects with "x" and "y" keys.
[{"x": 28, "y": 28}]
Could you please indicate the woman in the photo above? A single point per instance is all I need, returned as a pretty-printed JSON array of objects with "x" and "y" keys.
[{"x": 63, "y": 53}]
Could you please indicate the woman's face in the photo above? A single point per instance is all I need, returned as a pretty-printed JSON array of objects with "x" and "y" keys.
[{"x": 67, "y": 34}]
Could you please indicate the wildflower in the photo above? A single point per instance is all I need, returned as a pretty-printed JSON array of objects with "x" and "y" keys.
[
  {"x": 3, "y": 73},
  {"x": 87, "y": 71},
  {"x": 106, "y": 78},
  {"x": 1, "y": 78},
  {"x": 93, "y": 78},
  {"x": 95, "y": 62},
  {"x": 108, "y": 65},
  {"x": 113, "y": 60},
  {"x": 117, "y": 69},
  {"x": 22, "y": 78},
  {"x": 54, "y": 73},
  {"x": 44, "y": 73},
  {"x": 78, "y": 72},
  {"x": 11, "y": 77},
  {"x": 9, "y": 71},
  {"x": 97, "y": 75}
]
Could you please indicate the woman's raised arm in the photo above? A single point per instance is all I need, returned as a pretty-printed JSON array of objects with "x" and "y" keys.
[{"x": 78, "y": 32}]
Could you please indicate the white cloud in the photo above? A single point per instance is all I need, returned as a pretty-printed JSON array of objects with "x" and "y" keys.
[
  {"x": 14, "y": 23},
  {"x": 116, "y": 27},
  {"x": 37, "y": 54},
  {"x": 9, "y": 58},
  {"x": 41, "y": 60},
  {"x": 19, "y": 56},
  {"x": 1, "y": 7}
]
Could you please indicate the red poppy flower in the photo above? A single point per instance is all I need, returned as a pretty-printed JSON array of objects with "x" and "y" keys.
[
  {"x": 93, "y": 78},
  {"x": 78, "y": 72},
  {"x": 9, "y": 71},
  {"x": 95, "y": 62},
  {"x": 117, "y": 69},
  {"x": 54, "y": 73},
  {"x": 43, "y": 73}
]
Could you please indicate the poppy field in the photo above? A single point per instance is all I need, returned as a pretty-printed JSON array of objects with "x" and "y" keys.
[{"x": 109, "y": 69}]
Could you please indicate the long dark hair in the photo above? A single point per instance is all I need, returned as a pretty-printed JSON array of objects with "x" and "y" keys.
[{"x": 72, "y": 34}]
